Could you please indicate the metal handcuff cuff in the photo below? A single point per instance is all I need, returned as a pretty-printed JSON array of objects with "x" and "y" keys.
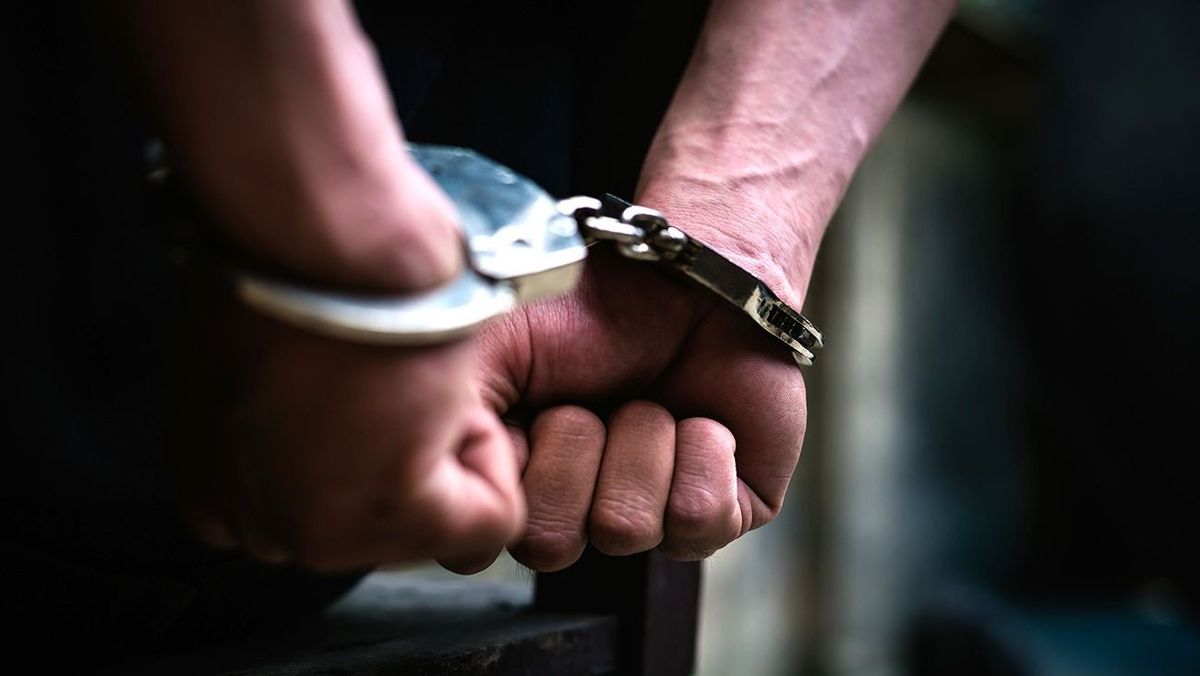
[{"x": 522, "y": 246}]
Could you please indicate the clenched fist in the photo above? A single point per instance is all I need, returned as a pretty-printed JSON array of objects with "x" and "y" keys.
[
  {"x": 295, "y": 447},
  {"x": 337, "y": 456},
  {"x": 646, "y": 415}
]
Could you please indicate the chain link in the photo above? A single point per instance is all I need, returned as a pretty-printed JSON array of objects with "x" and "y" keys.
[
  {"x": 644, "y": 234},
  {"x": 640, "y": 233}
]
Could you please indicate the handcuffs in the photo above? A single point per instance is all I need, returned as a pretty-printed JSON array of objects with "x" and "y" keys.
[{"x": 521, "y": 246}]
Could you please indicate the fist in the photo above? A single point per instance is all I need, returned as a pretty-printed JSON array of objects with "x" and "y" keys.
[{"x": 645, "y": 415}]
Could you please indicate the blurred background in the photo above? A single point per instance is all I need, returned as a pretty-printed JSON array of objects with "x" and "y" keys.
[{"x": 1000, "y": 471}]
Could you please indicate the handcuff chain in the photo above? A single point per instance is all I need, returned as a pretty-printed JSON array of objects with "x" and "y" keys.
[
  {"x": 644, "y": 234},
  {"x": 639, "y": 232}
]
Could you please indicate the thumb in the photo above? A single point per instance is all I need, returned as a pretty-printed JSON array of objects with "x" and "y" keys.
[
  {"x": 418, "y": 244},
  {"x": 484, "y": 507}
]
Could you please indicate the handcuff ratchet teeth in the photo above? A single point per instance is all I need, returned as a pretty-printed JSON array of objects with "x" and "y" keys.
[{"x": 644, "y": 234}]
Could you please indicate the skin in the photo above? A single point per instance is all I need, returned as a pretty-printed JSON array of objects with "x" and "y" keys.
[
  {"x": 294, "y": 447},
  {"x": 642, "y": 413},
  {"x": 699, "y": 417}
]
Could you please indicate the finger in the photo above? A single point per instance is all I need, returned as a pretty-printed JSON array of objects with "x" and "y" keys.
[
  {"x": 703, "y": 512},
  {"x": 465, "y": 505},
  {"x": 497, "y": 462},
  {"x": 470, "y": 564},
  {"x": 426, "y": 249},
  {"x": 758, "y": 393},
  {"x": 635, "y": 480},
  {"x": 566, "y": 444},
  {"x": 520, "y": 445},
  {"x": 472, "y": 505},
  {"x": 492, "y": 464}
]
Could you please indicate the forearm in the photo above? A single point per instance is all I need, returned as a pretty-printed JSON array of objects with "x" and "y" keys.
[
  {"x": 277, "y": 115},
  {"x": 779, "y": 104}
]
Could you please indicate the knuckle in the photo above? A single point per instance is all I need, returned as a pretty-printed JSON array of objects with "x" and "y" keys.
[
  {"x": 766, "y": 509},
  {"x": 547, "y": 548},
  {"x": 493, "y": 529},
  {"x": 568, "y": 425},
  {"x": 619, "y": 528},
  {"x": 698, "y": 510},
  {"x": 645, "y": 411},
  {"x": 486, "y": 524},
  {"x": 706, "y": 433}
]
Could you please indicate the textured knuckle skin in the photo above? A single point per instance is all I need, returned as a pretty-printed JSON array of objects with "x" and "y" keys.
[
  {"x": 568, "y": 426},
  {"x": 693, "y": 511},
  {"x": 619, "y": 528},
  {"x": 645, "y": 410},
  {"x": 547, "y": 549}
]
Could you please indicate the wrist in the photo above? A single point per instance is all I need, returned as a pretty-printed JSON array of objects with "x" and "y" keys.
[
  {"x": 287, "y": 137},
  {"x": 767, "y": 236},
  {"x": 385, "y": 228}
]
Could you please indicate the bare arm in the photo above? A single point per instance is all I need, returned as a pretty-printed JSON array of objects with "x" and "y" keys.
[
  {"x": 779, "y": 104},
  {"x": 292, "y": 446},
  {"x": 278, "y": 114}
]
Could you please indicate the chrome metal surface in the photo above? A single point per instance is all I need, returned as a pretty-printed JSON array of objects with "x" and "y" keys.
[
  {"x": 645, "y": 234},
  {"x": 439, "y": 316},
  {"x": 520, "y": 247},
  {"x": 514, "y": 231}
]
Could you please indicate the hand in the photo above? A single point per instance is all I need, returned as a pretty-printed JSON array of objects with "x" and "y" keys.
[
  {"x": 651, "y": 416},
  {"x": 295, "y": 447},
  {"x": 769, "y": 121},
  {"x": 333, "y": 455}
]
